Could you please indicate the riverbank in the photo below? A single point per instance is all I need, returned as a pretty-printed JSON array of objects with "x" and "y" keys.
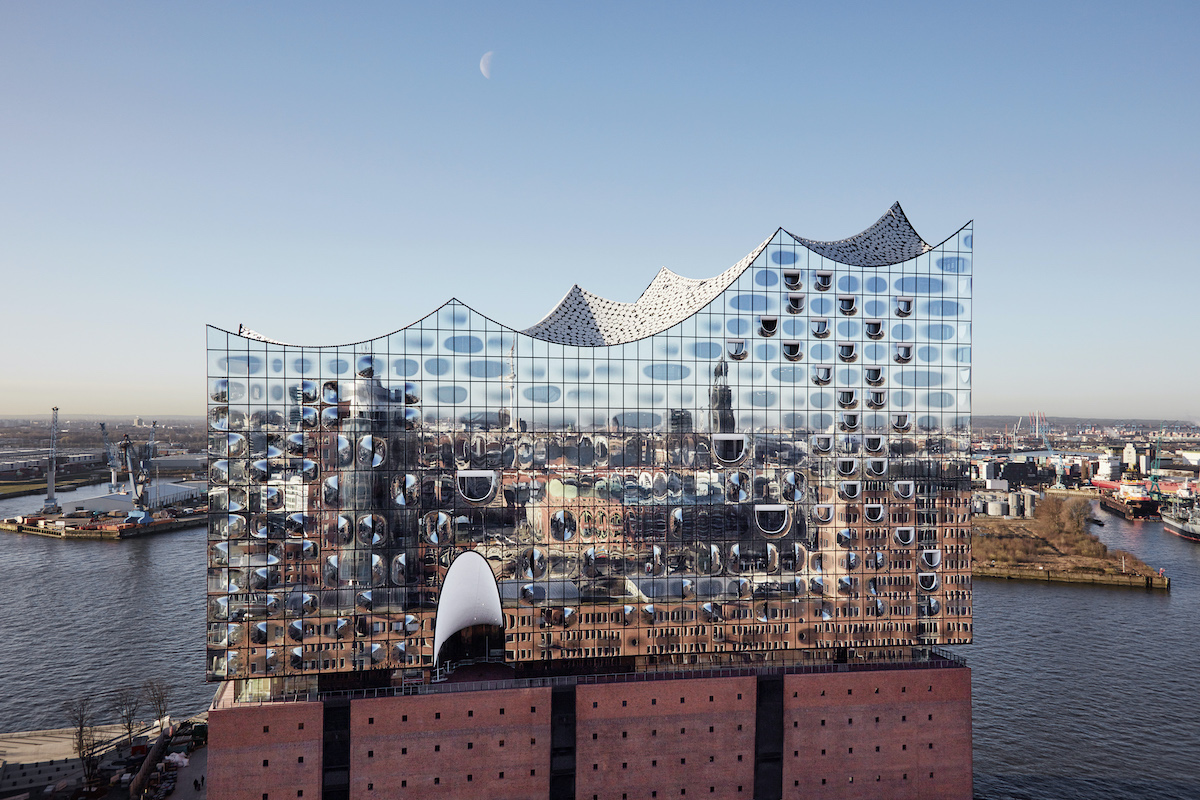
[
  {"x": 45, "y": 762},
  {"x": 1056, "y": 548}
]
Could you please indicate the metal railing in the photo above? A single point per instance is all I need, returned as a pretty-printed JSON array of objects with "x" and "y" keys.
[{"x": 920, "y": 658}]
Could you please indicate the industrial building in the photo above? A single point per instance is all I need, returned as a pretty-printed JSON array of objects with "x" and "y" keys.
[{"x": 709, "y": 542}]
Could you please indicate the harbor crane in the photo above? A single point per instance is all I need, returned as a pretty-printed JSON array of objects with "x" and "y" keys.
[
  {"x": 139, "y": 478},
  {"x": 1059, "y": 469},
  {"x": 51, "y": 506},
  {"x": 114, "y": 466},
  {"x": 1155, "y": 491},
  {"x": 1039, "y": 424}
]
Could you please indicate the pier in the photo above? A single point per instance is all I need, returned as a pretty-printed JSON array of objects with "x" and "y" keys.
[{"x": 122, "y": 530}]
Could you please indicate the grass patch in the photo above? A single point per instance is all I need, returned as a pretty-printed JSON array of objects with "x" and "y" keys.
[{"x": 1056, "y": 538}]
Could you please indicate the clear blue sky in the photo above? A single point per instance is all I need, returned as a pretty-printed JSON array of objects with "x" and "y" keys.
[{"x": 326, "y": 172}]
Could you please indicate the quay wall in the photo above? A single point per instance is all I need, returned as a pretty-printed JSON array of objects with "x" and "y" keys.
[
  {"x": 1152, "y": 582},
  {"x": 125, "y": 533}
]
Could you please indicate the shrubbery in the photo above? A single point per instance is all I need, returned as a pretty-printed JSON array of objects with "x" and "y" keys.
[
  {"x": 1063, "y": 524},
  {"x": 1059, "y": 528}
]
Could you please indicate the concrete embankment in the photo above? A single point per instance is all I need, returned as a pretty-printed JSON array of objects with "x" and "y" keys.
[
  {"x": 1152, "y": 582},
  {"x": 114, "y": 531}
]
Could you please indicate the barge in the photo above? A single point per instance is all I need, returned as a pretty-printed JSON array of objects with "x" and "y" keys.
[{"x": 1131, "y": 501}]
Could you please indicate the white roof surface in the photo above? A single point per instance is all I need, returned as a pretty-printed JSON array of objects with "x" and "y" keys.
[{"x": 586, "y": 319}]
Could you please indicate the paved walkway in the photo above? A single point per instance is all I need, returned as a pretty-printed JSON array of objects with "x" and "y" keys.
[
  {"x": 33, "y": 760},
  {"x": 30, "y": 747},
  {"x": 41, "y": 747},
  {"x": 197, "y": 766}
]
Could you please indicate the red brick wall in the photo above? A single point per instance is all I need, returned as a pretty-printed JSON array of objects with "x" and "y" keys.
[
  {"x": 452, "y": 745},
  {"x": 868, "y": 735},
  {"x": 632, "y": 739},
  {"x": 255, "y": 751}
]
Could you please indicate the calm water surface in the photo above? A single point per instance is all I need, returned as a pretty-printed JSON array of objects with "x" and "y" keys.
[
  {"x": 84, "y": 617},
  {"x": 1080, "y": 692},
  {"x": 1085, "y": 692}
]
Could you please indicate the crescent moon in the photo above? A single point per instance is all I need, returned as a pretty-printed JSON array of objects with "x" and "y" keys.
[{"x": 485, "y": 65}]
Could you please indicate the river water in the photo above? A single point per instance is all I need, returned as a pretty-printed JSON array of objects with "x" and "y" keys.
[
  {"x": 85, "y": 617},
  {"x": 1079, "y": 691}
]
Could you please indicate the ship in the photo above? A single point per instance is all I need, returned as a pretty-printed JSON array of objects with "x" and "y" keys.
[
  {"x": 1131, "y": 500},
  {"x": 1182, "y": 516}
]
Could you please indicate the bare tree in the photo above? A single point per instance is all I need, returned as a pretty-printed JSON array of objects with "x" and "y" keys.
[
  {"x": 1049, "y": 516},
  {"x": 1074, "y": 515},
  {"x": 125, "y": 704},
  {"x": 81, "y": 714},
  {"x": 158, "y": 694}
]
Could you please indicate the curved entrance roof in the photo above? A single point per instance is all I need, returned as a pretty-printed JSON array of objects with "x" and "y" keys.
[{"x": 469, "y": 597}]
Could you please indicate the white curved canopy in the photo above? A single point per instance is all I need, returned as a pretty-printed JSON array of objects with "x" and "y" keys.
[{"x": 469, "y": 597}]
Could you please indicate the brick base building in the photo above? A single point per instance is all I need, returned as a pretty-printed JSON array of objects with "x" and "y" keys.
[{"x": 898, "y": 730}]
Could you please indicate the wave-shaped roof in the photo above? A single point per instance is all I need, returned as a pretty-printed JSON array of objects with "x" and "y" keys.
[
  {"x": 890, "y": 240},
  {"x": 586, "y": 319}
]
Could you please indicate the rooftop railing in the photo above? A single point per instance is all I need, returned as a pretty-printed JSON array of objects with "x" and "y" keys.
[{"x": 920, "y": 658}]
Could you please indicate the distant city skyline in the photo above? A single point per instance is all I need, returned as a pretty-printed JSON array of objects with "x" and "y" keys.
[{"x": 155, "y": 156}]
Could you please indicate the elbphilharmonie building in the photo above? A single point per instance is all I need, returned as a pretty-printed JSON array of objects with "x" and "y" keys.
[{"x": 763, "y": 470}]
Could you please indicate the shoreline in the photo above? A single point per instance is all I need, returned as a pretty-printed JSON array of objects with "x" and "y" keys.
[{"x": 1027, "y": 550}]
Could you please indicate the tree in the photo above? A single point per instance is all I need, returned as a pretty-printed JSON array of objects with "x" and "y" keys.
[
  {"x": 1049, "y": 516},
  {"x": 81, "y": 714},
  {"x": 125, "y": 704},
  {"x": 1074, "y": 515},
  {"x": 158, "y": 694}
]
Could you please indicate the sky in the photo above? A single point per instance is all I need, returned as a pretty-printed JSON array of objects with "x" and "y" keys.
[{"x": 325, "y": 173}]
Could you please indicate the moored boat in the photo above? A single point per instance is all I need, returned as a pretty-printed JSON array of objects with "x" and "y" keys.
[
  {"x": 1130, "y": 500},
  {"x": 1182, "y": 520}
]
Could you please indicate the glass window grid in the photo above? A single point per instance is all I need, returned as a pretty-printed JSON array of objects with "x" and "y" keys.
[{"x": 280, "y": 591}]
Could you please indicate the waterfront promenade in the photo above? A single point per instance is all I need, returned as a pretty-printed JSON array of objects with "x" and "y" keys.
[{"x": 43, "y": 763}]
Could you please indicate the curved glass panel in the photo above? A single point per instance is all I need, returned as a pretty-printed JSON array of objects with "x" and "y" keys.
[{"x": 619, "y": 466}]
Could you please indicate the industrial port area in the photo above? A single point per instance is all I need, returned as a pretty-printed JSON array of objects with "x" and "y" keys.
[
  {"x": 151, "y": 477},
  {"x": 1140, "y": 470},
  {"x": 142, "y": 484},
  {"x": 1040, "y": 485}
]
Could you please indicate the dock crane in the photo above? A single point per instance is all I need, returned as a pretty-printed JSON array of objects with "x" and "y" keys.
[
  {"x": 1155, "y": 491},
  {"x": 51, "y": 506},
  {"x": 1059, "y": 469},
  {"x": 114, "y": 466},
  {"x": 151, "y": 453},
  {"x": 138, "y": 480}
]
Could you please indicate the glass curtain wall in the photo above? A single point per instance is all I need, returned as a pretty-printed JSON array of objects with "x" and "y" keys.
[{"x": 780, "y": 474}]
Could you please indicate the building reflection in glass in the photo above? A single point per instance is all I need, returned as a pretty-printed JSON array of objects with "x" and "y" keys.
[{"x": 724, "y": 472}]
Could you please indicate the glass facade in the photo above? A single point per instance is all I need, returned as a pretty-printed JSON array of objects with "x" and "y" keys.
[{"x": 769, "y": 465}]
